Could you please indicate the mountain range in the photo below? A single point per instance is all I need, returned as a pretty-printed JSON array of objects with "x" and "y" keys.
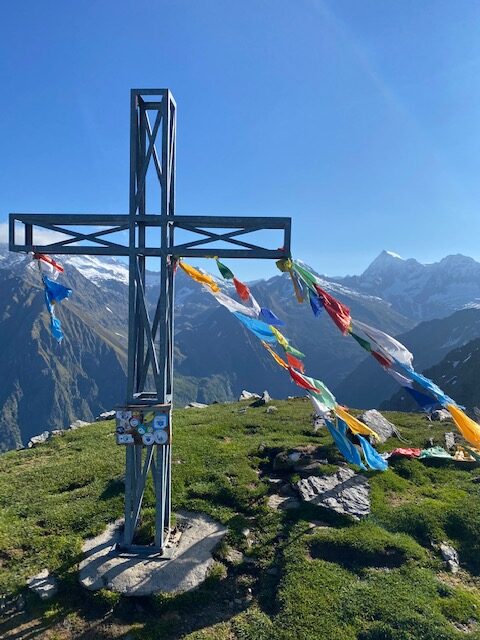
[{"x": 433, "y": 308}]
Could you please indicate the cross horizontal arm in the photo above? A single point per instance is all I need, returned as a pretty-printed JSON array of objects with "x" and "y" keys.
[{"x": 203, "y": 247}]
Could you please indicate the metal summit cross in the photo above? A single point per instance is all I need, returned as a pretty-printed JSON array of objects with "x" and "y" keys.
[{"x": 150, "y": 342}]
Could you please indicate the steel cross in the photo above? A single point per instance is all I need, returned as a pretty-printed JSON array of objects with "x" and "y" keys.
[{"x": 150, "y": 340}]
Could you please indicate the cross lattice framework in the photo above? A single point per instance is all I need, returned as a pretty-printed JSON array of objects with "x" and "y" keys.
[{"x": 140, "y": 235}]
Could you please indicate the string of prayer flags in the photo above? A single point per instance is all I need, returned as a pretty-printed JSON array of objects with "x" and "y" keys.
[
  {"x": 198, "y": 276},
  {"x": 224, "y": 270},
  {"x": 275, "y": 355},
  {"x": 242, "y": 289},
  {"x": 338, "y": 312},
  {"x": 257, "y": 327},
  {"x": 430, "y": 386}
]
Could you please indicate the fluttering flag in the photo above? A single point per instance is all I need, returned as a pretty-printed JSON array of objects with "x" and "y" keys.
[
  {"x": 232, "y": 305},
  {"x": 386, "y": 345},
  {"x": 295, "y": 362},
  {"x": 275, "y": 355},
  {"x": 225, "y": 271},
  {"x": 346, "y": 448},
  {"x": 297, "y": 287},
  {"x": 242, "y": 289},
  {"x": 315, "y": 303},
  {"x": 398, "y": 377},
  {"x": 322, "y": 392},
  {"x": 257, "y": 327},
  {"x": 338, "y": 312},
  {"x": 372, "y": 457},
  {"x": 270, "y": 318},
  {"x": 469, "y": 429},
  {"x": 282, "y": 341},
  {"x": 431, "y": 387},
  {"x": 354, "y": 424},
  {"x": 427, "y": 403},
  {"x": 198, "y": 276},
  {"x": 48, "y": 260},
  {"x": 301, "y": 381},
  {"x": 55, "y": 291}
]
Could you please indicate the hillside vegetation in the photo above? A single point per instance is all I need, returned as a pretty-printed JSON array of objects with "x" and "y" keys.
[{"x": 306, "y": 573}]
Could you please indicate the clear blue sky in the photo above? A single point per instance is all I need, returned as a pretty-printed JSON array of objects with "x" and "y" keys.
[{"x": 359, "y": 118}]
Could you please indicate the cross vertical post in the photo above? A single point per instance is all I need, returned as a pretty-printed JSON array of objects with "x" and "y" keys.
[{"x": 149, "y": 389}]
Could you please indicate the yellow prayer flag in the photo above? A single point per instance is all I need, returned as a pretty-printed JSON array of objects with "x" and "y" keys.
[
  {"x": 198, "y": 276},
  {"x": 279, "y": 336},
  {"x": 354, "y": 425},
  {"x": 275, "y": 356},
  {"x": 469, "y": 429}
]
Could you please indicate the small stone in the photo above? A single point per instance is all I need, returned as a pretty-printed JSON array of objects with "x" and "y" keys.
[
  {"x": 57, "y": 432},
  {"x": 196, "y": 405},
  {"x": 245, "y": 533},
  {"x": 450, "y": 440},
  {"x": 450, "y": 555},
  {"x": 247, "y": 395},
  {"x": 261, "y": 402},
  {"x": 234, "y": 557},
  {"x": 43, "y": 584},
  {"x": 106, "y": 415},
  {"x": 77, "y": 424},
  {"x": 282, "y": 503},
  {"x": 271, "y": 409},
  {"x": 40, "y": 439},
  {"x": 440, "y": 415}
]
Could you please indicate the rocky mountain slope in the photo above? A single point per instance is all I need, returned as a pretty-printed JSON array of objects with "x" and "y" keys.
[{"x": 421, "y": 291}]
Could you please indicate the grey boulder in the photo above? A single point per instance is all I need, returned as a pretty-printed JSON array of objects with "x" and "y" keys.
[
  {"x": 344, "y": 492},
  {"x": 378, "y": 423}
]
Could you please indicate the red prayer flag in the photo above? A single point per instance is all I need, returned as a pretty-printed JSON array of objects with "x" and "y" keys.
[
  {"x": 242, "y": 290},
  {"x": 338, "y": 312},
  {"x": 300, "y": 380},
  {"x": 381, "y": 359},
  {"x": 48, "y": 260},
  {"x": 295, "y": 363}
]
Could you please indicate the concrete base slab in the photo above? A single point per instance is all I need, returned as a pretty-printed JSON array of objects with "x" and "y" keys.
[{"x": 183, "y": 567}]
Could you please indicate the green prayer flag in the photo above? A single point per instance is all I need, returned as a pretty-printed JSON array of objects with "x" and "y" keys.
[
  {"x": 225, "y": 271},
  {"x": 363, "y": 343},
  {"x": 294, "y": 352},
  {"x": 308, "y": 278},
  {"x": 324, "y": 394}
]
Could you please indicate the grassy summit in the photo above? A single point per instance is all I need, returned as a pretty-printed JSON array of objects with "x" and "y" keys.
[{"x": 379, "y": 579}]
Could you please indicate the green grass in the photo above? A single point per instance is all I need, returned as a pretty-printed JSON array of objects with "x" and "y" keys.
[{"x": 380, "y": 579}]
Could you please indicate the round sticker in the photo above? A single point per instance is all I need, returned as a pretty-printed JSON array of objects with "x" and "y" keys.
[
  {"x": 148, "y": 439},
  {"x": 160, "y": 422},
  {"x": 161, "y": 437},
  {"x": 120, "y": 429},
  {"x": 134, "y": 422},
  {"x": 125, "y": 439},
  {"x": 141, "y": 429},
  {"x": 124, "y": 415}
]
